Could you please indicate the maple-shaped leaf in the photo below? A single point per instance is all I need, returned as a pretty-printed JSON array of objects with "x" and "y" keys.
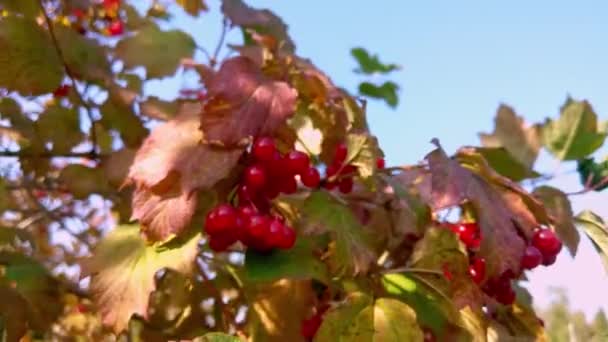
[
  {"x": 510, "y": 132},
  {"x": 122, "y": 271},
  {"x": 559, "y": 207},
  {"x": 452, "y": 184},
  {"x": 597, "y": 231},
  {"x": 278, "y": 308},
  {"x": 160, "y": 52},
  {"x": 171, "y": 165},
  {"x": 505, "y": 164},
  {"x": 350, "y": 251},
  {"x": 85, "y": 58},
  {"x": 244, "y": 103},
  {"x": 386, "y": 91},
  {"x": 83, "y": 181},
  {"x": 159, "y": 109},
  {"x": 117, "y": 114},
  {"x": 361, "y": 318},
  {"x": 370, "y": 64},
  {"x": 29, "y": 62},
  {"x": 262, "y": 21},
  {"x": 116, "y": 165},
  {"x": 363, "y": 152},
  {"x": 575, "y": 134}
]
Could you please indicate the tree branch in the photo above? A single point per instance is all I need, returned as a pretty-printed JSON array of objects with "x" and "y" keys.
[
  {"x": 49, "y": 154},
  {"x": 86, "y": 106}
]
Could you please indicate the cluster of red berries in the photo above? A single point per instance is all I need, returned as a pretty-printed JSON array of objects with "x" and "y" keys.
[
  {"x": 470, "y": 234},
  {"x": 543, "y": 249},
  {"x": 338, "y": 174}
]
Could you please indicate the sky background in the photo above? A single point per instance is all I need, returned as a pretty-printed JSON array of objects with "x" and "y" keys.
[{"x": 460, "y": 60}]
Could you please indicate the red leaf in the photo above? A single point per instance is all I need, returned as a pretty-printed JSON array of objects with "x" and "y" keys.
[
  {"x": 244, "y": 103},
  {"x": 169, "y": 168}
]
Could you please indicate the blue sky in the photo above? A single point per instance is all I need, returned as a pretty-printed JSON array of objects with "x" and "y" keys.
[{"x": 460, "y": 60}]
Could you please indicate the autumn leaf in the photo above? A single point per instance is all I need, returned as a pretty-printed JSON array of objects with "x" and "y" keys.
[
  {"x": 575, "y": 134},
  {"x": 452, "y": 185},
  {"x": 362, "y": 318},
  {"x": 363, "y": 152},
  {"x": 558, "y": 206},
  {"x": 596, "y": 230},
  {"x": 160, "y": 52},
  {"x": 510, "y": 132},
  {"x": 244, "y": 103},
  {"x": 28, "y": 63},
  {"x": 505, "y": 164},
  {"x": 193, "y": 7},
  {"x": 159, "y": 109},
  {"x": 168, "y": 169},
  {"x": 262, "y": 21},
  {"x": 350, "y": 252},
  {"x": 122, "y": 271}
]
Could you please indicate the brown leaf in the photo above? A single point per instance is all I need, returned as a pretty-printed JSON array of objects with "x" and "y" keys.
[
  {"x": 244, "y": 103},
  {"x": 116, "y": 165},
  {"x": 169, "y": 168},
  {"x": 452, "y": 185},
  {"x": 559, "y": 207},
  {"x": 264, "y": 21}
]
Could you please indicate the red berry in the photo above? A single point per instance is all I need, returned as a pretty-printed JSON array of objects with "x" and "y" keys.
[
  {"x": 61, "y": 91},
  {"x": 264, "y": 149},
  {"x": 255, "y": 177},
  {"x": 244, "y": 194},
  {"x": 348, "y": 169},
  {"x": 311, "y": 177},
  {"x": 330, "y": 185},
  {"x": 380, "y": 163},
  {"x": 116, "y": 28},
  {"x": 547, "y": 242},
  {"x": 310, "y": 326},
  {"x": 274, "y": 233},
  {"x": 297, "y": 162},
  {"x": 221, "y": 219},
  {"x": 506, "y": 297},
  {"x": 346, "y": 185},
  {"x": 246, "y": 211},
  {"x": 272, "y": 191},
  {"x": 221, "y": 242},
  {"x": 288, "y": 185},
  {"x": 340, "y": 154},
  {"x": 532, "y": 257},
  {"x": 467, "y": 232},
  {"x": 286, "y": 238},
  {"x": 257, "y": 232},
  {"x": 477, "y": 270},
  {"x": 549, "y": 260}
]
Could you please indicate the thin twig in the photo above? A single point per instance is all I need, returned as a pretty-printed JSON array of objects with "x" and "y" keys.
[
  {"x": 204, "y": 51},
  {"x": 49, "y": 154},
  {"x": 220, "y": 43},
  {"x": 411, "y": 270},
  {"x": 589, "y": 187},
  {"x": 93, "y": 152}
]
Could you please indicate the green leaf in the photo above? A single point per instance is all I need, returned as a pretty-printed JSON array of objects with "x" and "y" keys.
[
  {"x": 595, "y": 228},
  {"x": 119, "y": 116},
  {"x": 219, "y": 337},
  {"x": 123, "y": 268},
  {"x": 510, "y": 132},
  {"x": 29, "y": 8},
  {"x": 28, "y": 63},
  {"x": 576, "y": 134},
  {"x": 8, "y": 235},
  {"x": 559, "y": 208},
  {"x": 370, "y": 64},
  {"x": 432, "y": 311},
  {"x": 85, "y": 57},
  {"x": 61, "y": 127},
  {"x": 363, "y": 152},
  {"x": 193, "y": 7},
  {"x": 160, "y": 52},
  {"x": 387, "y": 92},
  {"x": 505, "y": 164},
  {"x": 360, "y": 318},
  {"x": 350, "y": 253},
  {"x": 593, "y": 174},
  {"x": 159, "y": 109},
  {"x": 296, "y": 263},
  {"x": 83, "y": 181}
]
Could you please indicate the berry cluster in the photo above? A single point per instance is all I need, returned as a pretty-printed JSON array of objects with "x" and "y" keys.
[
  {"x": 338, "y": 174},
  {"x": 267, "y": 174},
  {"x": 544, "y": 248}
]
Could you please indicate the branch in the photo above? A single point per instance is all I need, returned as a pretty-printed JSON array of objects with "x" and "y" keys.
[
  {"x": 49, "y": 154},
  {"x": 588, "y": 187},
  {"x": 49, "y": 23},
  {"x": 220, "y": 43}
]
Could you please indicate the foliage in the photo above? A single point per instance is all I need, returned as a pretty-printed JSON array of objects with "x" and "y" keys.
[{"x": 108, "y": 193}]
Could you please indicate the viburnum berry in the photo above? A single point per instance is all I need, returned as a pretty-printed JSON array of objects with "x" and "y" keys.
[
  {"x": 116, "y": 28},
  {"x": 340, "y": 153},
  {"x": 264, "y": 149},
  {"x": 286, "y": 238},
  {"x": 547, "y": 242},
  {"x": 61, "y": 91},
  {"x": 221, "y": 242},
  {"x": 221, "y": 219},
  {"x": 380, "y": 163},
  {"x": 288, "y": 185},
  {"x": 311, "y": 177},
  {"x": 346, "y": 185},
  {"x": 297, "y": 162},
  {"x": 468, "y": 232},
  {"x": 255, "y": 177},
  {"x": 506, "y": 297},
  {"x": 549, "y": 260},
  {"x": 532, "y": 258},
  {"x": 477, "y": 270}
]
